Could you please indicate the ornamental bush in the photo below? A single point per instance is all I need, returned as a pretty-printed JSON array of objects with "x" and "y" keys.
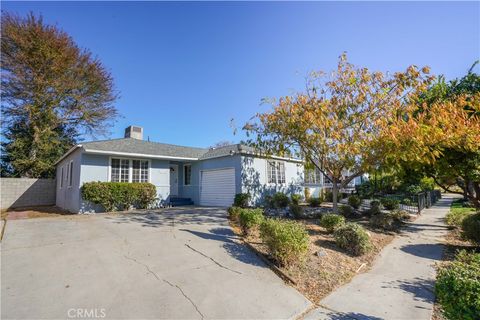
[
  {"x": 296, "y": 198},
  {"x": 374, "y": 208},
  {"x": 296, "y": 210},
  {"x": 390, "y": 204},
  {"x": 331, "y": 221},
  {"x": 354, "y": 201},
  {"x": 315, "y": 201},
  {"x": 353, "y": 238},
  {"x": 233, "y": 213},
  {"x": 457, "y": 288},
  {"x": 346, "y": 211},
  {"x": 287, "y": 241},
  {"x": 241, "y": 200},
  {"x": 249, "y": 219},
  {"x": 471, "y": 228},
  {"x": 385, "y": 221},
  {"x": 280, "y": 200},
  {"x": 119, "y": 195}
]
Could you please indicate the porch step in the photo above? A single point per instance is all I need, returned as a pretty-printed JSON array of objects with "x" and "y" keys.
[{"x": 176, "y": 201}]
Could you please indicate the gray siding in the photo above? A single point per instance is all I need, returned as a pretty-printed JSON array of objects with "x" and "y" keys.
[
  {"x": 68, "y": 197},
  {"x": 254, "y": 179}
]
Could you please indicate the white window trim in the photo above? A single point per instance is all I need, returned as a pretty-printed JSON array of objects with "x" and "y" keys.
[
  {"x": 70, "y": 174},
  {"x": 276, "y": 162},
  {"x": 184, "y": 176},
  {"x": 130, "y": 168}
]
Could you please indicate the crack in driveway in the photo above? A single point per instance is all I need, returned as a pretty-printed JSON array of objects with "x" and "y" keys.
[
  {"x": 214, "y": 261},
  {"x": 167, "y": 282},
  {"x": 186, "y": 297}
]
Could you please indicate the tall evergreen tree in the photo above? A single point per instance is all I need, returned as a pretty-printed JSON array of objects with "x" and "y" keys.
[{"x": 52, "y": 92}]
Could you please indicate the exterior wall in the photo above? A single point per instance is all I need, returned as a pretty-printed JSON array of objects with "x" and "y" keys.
[
  {"x": 192, "y": 191},
  {"x": 254, "y": 179},
  {"x": 23, "y": 192},
  {"x": 97, "y": 168},
  {"x": 68, "y": 197}
]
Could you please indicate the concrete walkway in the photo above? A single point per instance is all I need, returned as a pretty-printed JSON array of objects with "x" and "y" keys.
[{"x": 400, "y": 284}]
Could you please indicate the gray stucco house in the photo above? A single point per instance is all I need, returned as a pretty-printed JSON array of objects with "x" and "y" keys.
[{"x": 182, "y": 175}]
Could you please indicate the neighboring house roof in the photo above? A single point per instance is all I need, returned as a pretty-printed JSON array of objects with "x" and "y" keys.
[{"x": 141, "y": 148}]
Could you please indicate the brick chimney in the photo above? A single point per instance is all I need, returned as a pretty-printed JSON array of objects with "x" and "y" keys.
[{"x": 134, "y": 132}]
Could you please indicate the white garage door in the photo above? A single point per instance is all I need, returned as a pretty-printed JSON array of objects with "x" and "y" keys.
[{"x": 217, "y": 187}]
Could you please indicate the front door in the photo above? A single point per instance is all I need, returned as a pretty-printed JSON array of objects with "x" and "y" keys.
[{"x": 173, "y": 180}]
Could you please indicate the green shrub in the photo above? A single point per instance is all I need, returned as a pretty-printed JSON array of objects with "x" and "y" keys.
[
  {"x": 119, "y": 195},
  {"x": 346, "y": 211},
  {"x": 427, "y": 184},
  {"x": 241, "y": 200},
  {"x": 352, "y": 238},
  {"x": 457, "y": 288},
  {"x": 280, "y": 200},
  {"x": 407, "y": 202},
  {"x": 296, "y": 210},
  {"x": 329, "y": 196},
  {"x": 268, "y": 201},
  {"x": 296, "y": 198},
  {"x": 315, "y": 202},
  {"x": 455, "y": 216},
  {"x": 287, "y": 241},
  {"x": 413, "y": 189},
  {"x": 375, "y": 208},
  {"x": 331, "y": 221},
  {"x": 354, "y": 201},
  {"x": 234, "y": 213},
  {"x": 471, "y": 228},
  {"x": 249, "y": 219},
  {"x": 389, "y": 203},
  {"x": 385, "y": 221},
  {"x": 400, "y": 215}
]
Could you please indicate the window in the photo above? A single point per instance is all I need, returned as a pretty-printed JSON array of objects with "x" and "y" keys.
[
  {"x": 313, "y": 176},
  {"x": 70, "y": 174},
  {"x": 276, "y": 172},
  {"x": 187, "y": 174},
  {"x": 61, "y": 178},
  {"x": 139, "y": 170},
  {"x": 120, "y": 170}
]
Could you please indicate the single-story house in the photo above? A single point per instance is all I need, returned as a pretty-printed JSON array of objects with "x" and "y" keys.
[{"x": 182, "y": 175}]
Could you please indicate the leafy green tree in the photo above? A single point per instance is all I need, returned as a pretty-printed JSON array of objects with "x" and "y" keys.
[{"x": 52, "y": 92}]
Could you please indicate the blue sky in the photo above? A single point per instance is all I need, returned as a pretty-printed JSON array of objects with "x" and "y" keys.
[{"x": 185, "y": 69}]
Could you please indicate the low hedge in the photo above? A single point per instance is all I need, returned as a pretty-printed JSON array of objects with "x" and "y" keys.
[
  {"x": 287, "y": 241},
  {"x": 390, "y": 204},
  {"x": 457, "y": 288},
  {"x": 280, "y": 200},
  {"x": 119, "y": 195},
  {"x": 249, "y": 219},
  {"x": 471, "y": 228},
  {"x": 315, "y": 201},
  {"x": 233, "y": 213},
  {"x": 455, "y": 216},
  {"x": 296, "y": 210},
  {"x": 331, "y": 221},
  {"x": 353, "y": 238}
]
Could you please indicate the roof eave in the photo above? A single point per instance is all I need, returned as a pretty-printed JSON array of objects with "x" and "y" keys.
[
  {"x": 139, "y": 155},
  {"x": 71, "y": 150}
]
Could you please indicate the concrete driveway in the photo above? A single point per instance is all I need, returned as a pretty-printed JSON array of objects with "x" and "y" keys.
[{"x": 176, "y": 264}]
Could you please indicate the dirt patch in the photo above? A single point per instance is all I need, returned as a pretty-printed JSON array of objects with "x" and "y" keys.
[
  {"x": 327, "y": 267},
  {"x": 34, "y": 212}
]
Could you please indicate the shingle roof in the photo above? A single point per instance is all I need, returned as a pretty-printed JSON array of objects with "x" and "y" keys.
[
  {"x": 147, "y": 148},
  {"x": 131, "y": 145}
]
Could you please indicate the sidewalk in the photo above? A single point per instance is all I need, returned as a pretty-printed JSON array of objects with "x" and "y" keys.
[{"x": 400, "y": 284}]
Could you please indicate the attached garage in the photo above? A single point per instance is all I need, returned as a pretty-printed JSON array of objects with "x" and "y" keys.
[{"x": 217, "y": 187}]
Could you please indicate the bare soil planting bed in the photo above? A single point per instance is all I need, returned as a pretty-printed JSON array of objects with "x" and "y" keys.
[{"x": 326, "y": 267}]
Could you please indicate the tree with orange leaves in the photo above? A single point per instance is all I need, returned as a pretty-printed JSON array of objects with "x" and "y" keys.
[{"x": 339, "y": 122}]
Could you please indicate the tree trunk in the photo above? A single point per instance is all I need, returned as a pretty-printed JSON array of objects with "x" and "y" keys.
[{"x": 335, "y": 195}]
